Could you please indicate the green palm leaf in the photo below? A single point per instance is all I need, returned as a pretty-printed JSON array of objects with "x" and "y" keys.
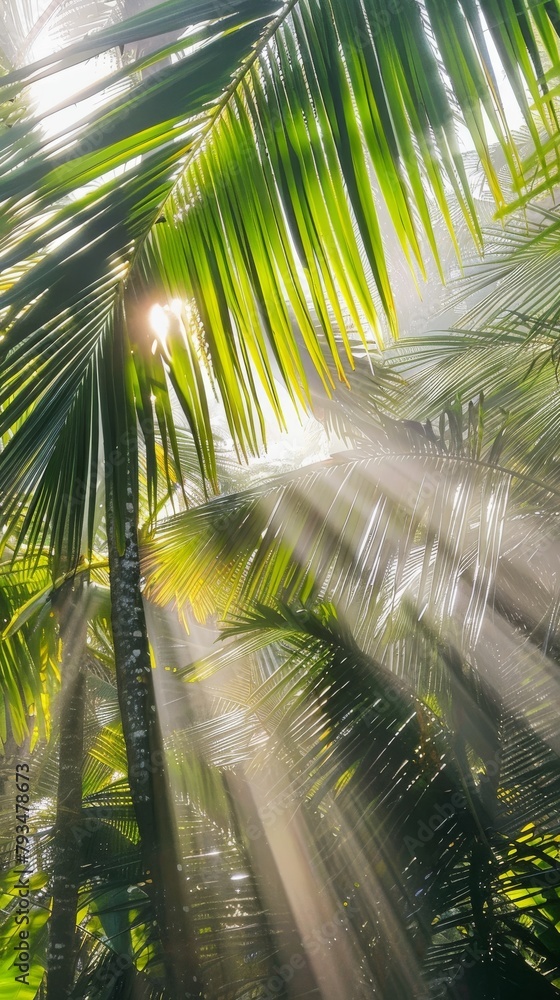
[{"x": 238, "y": 193}]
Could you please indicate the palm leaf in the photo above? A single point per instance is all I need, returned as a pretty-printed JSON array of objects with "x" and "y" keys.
[
  {"x": 258, "y": 189},
  {"x": 341, "y": 724}
]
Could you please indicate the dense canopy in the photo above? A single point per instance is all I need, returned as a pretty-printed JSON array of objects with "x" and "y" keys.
[{"x": 279, "y": 499}]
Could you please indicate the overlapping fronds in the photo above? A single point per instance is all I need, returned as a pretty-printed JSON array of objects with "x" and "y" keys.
[
  {"x": 506, "y": 347},
  {"x": 402, "y": 518},
  {"x": 70, "y": 225},
  {"x": 432, "y": 820},
  {"x": 251, "y": 183},
  {"x": 293, "y": 120}
]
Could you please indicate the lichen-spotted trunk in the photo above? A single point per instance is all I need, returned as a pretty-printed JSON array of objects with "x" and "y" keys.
[{"x": 146, "y": 772}]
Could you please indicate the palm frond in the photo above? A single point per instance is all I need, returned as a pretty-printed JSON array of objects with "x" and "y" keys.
[
  {"x": 364, "y": 529},
  {"x": 506, "y": 347},
  {"x": 341, "y": 722},
  {"x": 231, "y": 178}
]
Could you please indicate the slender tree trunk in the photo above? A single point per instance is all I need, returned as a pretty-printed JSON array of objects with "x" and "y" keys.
[
  {"x": 142, "y": 735},
  {"x": 63, "y": 941}
]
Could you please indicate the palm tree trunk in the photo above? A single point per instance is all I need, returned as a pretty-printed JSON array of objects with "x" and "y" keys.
[
  {"x": 142, "y": 735},
  {"x": 63, "y": 941}
]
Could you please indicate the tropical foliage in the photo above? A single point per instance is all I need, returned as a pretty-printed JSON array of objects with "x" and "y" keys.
[{"x": 355, "y": 791}]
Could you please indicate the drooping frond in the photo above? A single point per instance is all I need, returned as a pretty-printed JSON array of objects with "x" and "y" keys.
[
  {"x": 245, "y": 167},
  {"x": 71, "y": 223}
]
